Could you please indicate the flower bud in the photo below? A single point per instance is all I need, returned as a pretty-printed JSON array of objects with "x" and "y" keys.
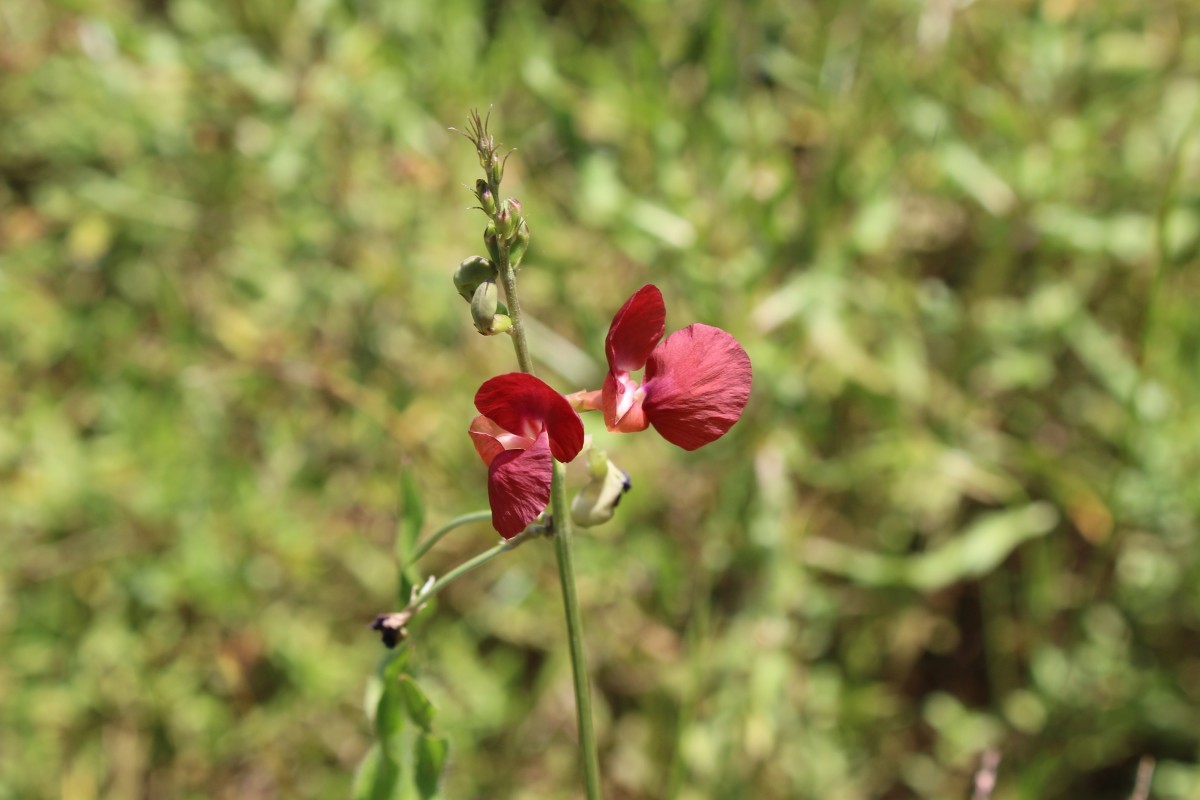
[
  {"x": 520, "y": 243},
  {"x": 487, "y": 200},
  {"x": 472, "y": 272},
  {"x": 506, "y": 223},
  {"x": 492, "y": 240},
  {"x": 597, "y": 500},
  {"x": 498, "y": 167},
  {"x": 514, "y": 207},
  {"x": 483, "y": 307}
]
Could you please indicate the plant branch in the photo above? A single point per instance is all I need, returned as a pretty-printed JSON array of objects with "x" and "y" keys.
[{"x": 458, "y": 522}]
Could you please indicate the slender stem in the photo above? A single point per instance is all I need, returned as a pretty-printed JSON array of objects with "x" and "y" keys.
[
  {"x": 524, "y": 359},
  {"x": 433, "y": 587},
  {"x": 566, "y": 563},
  {"x": 466, "y": 519},
  {"x": 437, "y": 585},
  {"x": 566, "y": 573}
]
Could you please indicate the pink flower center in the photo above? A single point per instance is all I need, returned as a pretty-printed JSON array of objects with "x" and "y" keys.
[{"x": 629, "y": 414}]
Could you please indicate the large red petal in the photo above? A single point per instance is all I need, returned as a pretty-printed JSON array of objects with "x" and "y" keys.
[
  {"x": 697, "y": 382},
  {"x": 519, "y": 486},
  {"x": 522, "y": 404},
  {"x": 635, "y": 330}
]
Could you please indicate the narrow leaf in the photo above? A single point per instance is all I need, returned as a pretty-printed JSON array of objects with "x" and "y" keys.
[
  {"x": 420, "y": 710},
  {"x": 390, "y": 665},
  {"x": 389, "y": 722},
  {"x": 430, "y": 755},
  {"x": 377, "y": 777}
]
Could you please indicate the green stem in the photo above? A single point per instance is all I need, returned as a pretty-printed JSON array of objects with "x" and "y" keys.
[
  {"x": 427, "y": 545},
  {"x": 433, "y": 587},
  {"x": 566, "y": 573},
  {"x": 566, "y": 564},
  {"x": 524, "y": 359}
]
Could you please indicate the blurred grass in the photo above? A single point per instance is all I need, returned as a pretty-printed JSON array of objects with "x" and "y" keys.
[{"x": 958, "y": 241}]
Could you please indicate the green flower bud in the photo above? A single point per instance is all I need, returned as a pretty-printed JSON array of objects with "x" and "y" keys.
[
  {"x": 506, "y": 221},
  {"x": 595, "y": 503},
  {"x": 487, "y": 200},
  {"x": 498, "y": 167},
  {"x": 520, "y": 243},
  {"x": 483, "y": 307},
  {"x": 492, "y": 240},
  {"x": 472, "y": 272}
]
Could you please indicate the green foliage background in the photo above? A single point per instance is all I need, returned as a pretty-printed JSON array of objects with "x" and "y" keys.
[{"x": 959, "y": 242}]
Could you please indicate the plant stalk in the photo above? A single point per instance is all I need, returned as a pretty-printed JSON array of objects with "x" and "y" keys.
[
  {"x": 563, "y": 549},
  {"x": 520, "y": 344},
  {"x": 435, "y": 586}
]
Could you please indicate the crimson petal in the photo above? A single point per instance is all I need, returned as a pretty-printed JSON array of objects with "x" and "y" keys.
[
  {"x": 519, "y": 486},
  {"x": 697, "y": 382},
  {"x": 522, "y": 404},
  {"x": 635, "y": 330}
]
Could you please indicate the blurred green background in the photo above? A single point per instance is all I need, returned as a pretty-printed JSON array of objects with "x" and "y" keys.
[{"x": 959, "y": 241}]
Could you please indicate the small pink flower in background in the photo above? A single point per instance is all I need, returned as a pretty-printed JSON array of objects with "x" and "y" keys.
[
  {"x": 697, "y": 380},
  {"x": 523, "y": 423}
]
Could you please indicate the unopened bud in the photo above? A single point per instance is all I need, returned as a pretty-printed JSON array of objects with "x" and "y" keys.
[
  {"x": 483, "y": 307},
  {"x": 472, "y": 272},
  {"x": 514, "y": 207},
  {"x": 487, "y": 200},
  {"x": 506, "y": 221},
  {"x": 595, "y": 503},
  {"x": 520, "y": 243},
  {"x": 492, "y": 240}
]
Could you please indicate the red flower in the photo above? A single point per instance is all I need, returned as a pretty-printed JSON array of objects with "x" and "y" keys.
[
  {"x": 523, "y": 423},
  {"x": 697, "y": 380}
]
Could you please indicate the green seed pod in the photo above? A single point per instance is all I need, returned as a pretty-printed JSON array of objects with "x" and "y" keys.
[
  {"x": 520, "y": 243},
  {"x": 595, "y": 503},
  {"x": 483, "y": 307},
  {"x": 472, "y": 272}
]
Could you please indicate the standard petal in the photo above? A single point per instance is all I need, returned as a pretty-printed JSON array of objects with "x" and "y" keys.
[
  {"x": 519, "y": 486},
  {"x": 522, "y": 404},
  {"x": 697, "y": 382},
  {"x": 635, "y": 330}
]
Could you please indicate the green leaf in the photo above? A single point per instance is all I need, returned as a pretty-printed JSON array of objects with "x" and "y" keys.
[
  {"x": 430, "y": 754},
  {"x": 389, "y": 722},
  {"x": 420, "y": 710},
  {"x": 393, "y": 663},
  {"x": 390, "y": 665},
  {"x": 377, "y": 777}
]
